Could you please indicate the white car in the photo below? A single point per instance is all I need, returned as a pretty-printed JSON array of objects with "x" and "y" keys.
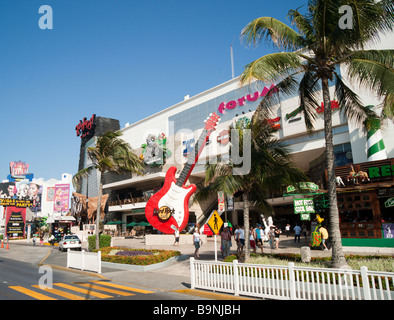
[{"x": 70, "y": 241}]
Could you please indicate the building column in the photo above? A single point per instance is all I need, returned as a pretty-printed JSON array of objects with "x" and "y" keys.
[{"x": 234, "y": 218}]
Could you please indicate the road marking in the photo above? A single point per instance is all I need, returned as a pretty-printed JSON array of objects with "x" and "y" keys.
[
  {"x": 122, "y": 287},
  {"x": 84, "y": 291},
  {"x": 92, "y": 286},
  {"x": 61, "y": 293},
  {"x": 31, "y": 293}
]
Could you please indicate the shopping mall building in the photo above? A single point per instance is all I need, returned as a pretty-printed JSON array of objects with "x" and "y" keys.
[{"x": 166, "y": 138}]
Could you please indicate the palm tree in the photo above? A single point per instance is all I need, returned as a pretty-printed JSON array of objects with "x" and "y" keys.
[
  {"x": 111, "y": 154},
  {"x": 314, "y": 55},
  {"x": 270, "y": 169}
]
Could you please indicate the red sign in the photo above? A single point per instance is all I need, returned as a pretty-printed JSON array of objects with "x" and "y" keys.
[
  {"x": 334, "y": 105},
  {"x": 207, "y": 230},
  {"x": 241, "y": 101},
  {"x": 223, "y": 137},
  {"x": 19, "y": 169},
  {"x": 84, "y": 127}
]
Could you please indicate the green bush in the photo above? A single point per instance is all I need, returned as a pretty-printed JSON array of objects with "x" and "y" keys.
[{"x": 104, "y": 241}]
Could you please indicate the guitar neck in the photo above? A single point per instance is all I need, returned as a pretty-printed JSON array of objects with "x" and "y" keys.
[{"x": 193, "y": 158}]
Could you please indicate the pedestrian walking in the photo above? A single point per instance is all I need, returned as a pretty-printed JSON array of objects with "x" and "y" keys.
[
  {"x": 277, "y": 234},
  {"x": 287, "y": 229},
  {"x": 297, "y": 233},
  {"x": 324, "y": 237},
  {"x": 196, "y": 241},
  {"x": 176, "y": 235},
  {"x": 41, "y": 240},
  {"x": 241, "y": 237},
  {"x": 251, "y": 239},
  {"x": 304, "y": 231},
  {"x": 271, "y": 235},
  {"x": 259, "y": 237},
  {"x": 226, "y": 239}
]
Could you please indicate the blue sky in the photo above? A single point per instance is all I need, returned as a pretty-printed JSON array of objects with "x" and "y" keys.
[{"x": 121, "y": 59}]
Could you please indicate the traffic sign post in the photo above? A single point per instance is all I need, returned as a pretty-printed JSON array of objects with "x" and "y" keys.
[{"x": 215, "y": 223}]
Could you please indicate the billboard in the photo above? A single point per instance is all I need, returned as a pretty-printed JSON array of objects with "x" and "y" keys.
[
  {"x": 21, "y": 194},
  {"x": 15, "y": 222},
  {"x": 61, "y": 198}
]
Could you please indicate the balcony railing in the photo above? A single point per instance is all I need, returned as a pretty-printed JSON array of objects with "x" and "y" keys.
[{"x": 132, "y": 200}]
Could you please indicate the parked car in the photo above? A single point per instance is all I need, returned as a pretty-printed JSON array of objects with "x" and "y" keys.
[{"x": 70, "y": 241}]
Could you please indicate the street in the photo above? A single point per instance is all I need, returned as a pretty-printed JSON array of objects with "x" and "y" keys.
[{"x": 28, "y": 281}]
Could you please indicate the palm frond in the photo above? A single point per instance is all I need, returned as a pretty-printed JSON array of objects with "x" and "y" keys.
[
  {"x": 349, "y": 102},
  {"x": 374, "y": 70},
  {"x": 272, "y": 31},
  {"x": 272, "y": 67},
  {"x": 308, "y": 89},
  {"x": 80, "y": 175}
]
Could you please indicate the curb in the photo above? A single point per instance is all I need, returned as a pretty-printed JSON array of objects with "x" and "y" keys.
[
  {"x": 147, "y": 268},
  {"x": 210, "y": 295}
]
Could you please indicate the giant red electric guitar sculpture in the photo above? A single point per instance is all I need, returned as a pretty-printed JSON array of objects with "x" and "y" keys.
[{"x": 168, "y": 209}]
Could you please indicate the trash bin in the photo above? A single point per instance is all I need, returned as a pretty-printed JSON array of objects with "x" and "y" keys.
[{"x": 305, "y": 254}]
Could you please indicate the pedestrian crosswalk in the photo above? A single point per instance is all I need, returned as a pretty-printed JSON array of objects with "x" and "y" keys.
[{"x": 80, "y": 291}]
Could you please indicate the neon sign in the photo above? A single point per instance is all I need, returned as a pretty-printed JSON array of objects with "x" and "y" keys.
[
  {"x": 334, "y": 105},
  {"x": 18, "y": 169},
  {"x": 84, "y": 127}
]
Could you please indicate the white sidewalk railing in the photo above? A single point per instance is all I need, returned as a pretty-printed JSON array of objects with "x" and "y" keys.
[
  {"x": 290, "y": 282},
  {"x": 89, "y": 261}
]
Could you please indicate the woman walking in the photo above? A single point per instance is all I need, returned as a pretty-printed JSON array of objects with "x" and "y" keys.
[{"x": 196, "y": 240}]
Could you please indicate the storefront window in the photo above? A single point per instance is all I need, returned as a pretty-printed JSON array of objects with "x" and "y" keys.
[{"x": 343, "y": 155}]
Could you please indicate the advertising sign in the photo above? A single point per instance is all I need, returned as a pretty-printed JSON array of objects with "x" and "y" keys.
[
  {"x": 21, "y": 194},
  {"x": 221, "y": 207},
  {"x": 388, "y": 230},
  {"x": 303, "y": 185},
  {"x": 18, "y": 169},
  {"x": 230, "y": 203},
  {"x": 15, "y": 222},
  {"x": 61, "y": 199},
  {"x": 6, "y": 202},
  {"x": 304, "y": 205},
  {"x": 7, "y": 190},
  {"x": 389, "y": 203}
]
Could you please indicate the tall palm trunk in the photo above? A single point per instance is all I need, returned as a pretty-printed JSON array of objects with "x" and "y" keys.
[
  {"x": 338, "y": 258},
  {"x": 245, "y": 199},
  {"x": 100, "y": 193}
]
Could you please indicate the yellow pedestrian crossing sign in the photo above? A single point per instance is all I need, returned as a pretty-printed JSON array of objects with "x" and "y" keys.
[{"x": 215, "y": 222}]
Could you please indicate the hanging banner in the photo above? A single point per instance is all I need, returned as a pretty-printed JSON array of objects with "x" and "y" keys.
[
  {"x": 304, "y": 205},
  {"x": 230, "y": 203},
  {"x": 305, "y": 216},
  {"x": 221, "y": 207},
  {"x": 310, "y": 186}
]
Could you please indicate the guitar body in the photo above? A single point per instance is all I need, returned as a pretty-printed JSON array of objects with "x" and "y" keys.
[{"x": 170, "y": 199}]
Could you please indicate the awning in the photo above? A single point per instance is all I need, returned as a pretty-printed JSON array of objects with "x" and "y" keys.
[{"x": 61, "y": 218}]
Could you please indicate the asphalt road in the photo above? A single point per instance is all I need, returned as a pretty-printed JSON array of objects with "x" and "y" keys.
[{"x": 28, "y": 281}]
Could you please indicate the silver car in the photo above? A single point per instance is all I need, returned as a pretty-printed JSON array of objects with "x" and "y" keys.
[{"x": 70, "y": 241}]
